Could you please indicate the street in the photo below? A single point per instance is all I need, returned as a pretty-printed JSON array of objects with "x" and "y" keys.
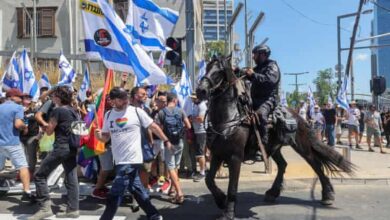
[{"x": 352, "y": 202}]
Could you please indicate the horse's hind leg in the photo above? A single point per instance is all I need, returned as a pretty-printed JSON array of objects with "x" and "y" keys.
[
  {"x": 219, "y": 196},
  {"x": 277, "y": 185},
  {"x": 316, "y": 165}
]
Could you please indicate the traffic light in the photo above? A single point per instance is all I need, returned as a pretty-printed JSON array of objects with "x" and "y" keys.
[
  {"x": 175, "y": 54},
  {"x": 378, "y": 85}
]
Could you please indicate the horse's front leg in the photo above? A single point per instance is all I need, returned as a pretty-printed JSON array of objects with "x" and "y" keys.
[
  {"x": 234, "y": 175},
  {"x": 219, "y": 196},
  {"x": 274, "y": 192}
]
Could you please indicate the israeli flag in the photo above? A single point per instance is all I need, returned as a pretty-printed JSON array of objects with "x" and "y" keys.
[
  {"x": 29, "y": 82},
  {"x": 85, "y": 86},
  {"x": 312, "y": 101},
  {"x": 149, "y": 24},
  {"x": 67, "y": 74},
  {"x": 11, "y": 77},
  {"x": 341, "y": 98},
  {"x": 108, "y": 39},
  {"x": 183, "y": 89},
  {"x": 202, "y": 70},
  {"x": 44, "y": 81}
]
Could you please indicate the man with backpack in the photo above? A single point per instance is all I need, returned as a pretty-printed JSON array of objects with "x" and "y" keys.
[
  {"x": 64, "y": 152},
  {"x": 173, "y": 120}
]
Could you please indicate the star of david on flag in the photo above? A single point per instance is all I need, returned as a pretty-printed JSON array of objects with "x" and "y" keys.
[
  {"x": 29, "y": 82},
  {"x": 183, "y": 89},
  {"x": 11, "y": 77},
  {"x": 67, "y": 74}
]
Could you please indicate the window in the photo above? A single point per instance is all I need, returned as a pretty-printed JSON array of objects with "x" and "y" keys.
[{"x": 45, "y": 22}]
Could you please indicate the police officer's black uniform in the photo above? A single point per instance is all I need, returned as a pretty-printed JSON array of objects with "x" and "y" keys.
[{"x": 264, "y": 89}]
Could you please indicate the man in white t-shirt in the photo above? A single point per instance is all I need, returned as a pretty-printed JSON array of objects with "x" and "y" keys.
[
  {"x": 353, "y": 116},
  {"x": 123, "y": 126}
]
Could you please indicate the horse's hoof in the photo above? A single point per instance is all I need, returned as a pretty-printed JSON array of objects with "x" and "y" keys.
[
  {"x": 327, "y": 202},
  {"x": 224, "y": 216},
  {"x": 221, "y": 201},
  {"x": 269, "y": 198}
]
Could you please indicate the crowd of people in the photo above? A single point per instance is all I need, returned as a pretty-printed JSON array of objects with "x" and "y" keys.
[
  {"x": 328, "y": 123},
  {"x": 132, "y": 119}
]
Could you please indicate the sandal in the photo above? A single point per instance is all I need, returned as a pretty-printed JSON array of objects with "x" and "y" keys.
[
  {"x": 371, "y": 150},
  {"x": 178, "y": 199},
  {"x": 172, "y": 193},
  {"x": 383, "y": 152}
]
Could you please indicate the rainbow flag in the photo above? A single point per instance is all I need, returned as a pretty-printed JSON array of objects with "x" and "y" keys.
[{"x": 91, "y": 146}]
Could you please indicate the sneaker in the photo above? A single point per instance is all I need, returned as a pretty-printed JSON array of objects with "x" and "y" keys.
[
  {"x": 100, "y": 193},
  {"x": 199, "y": 177},
  {"x": 165, "y": 187},
  {"x": 68, "y": 214},
  {"x": 155, "y": 217},
  {"x": 358, "y": 147},
  {"x": 339, "y": 143},
  {"x": 161, "y": 180},
  {"x": 43, "y": 212},
  {"x": 26, "y": 197}
]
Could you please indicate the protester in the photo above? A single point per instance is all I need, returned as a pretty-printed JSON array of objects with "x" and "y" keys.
[
  {"x": 106, "y": 165},
  {"x": 122, "y": 125},
  {"x": 173, "y": 120},
  {"x": 64, "y": 152},
  {"x": 386, "y": 127},
  {"x": 31, "y": 138},
  {"x": 12, "y": 124},
  {"x": 374, "y": 127},
  {"x": 318, "y": 122},
  {"x": 361, "y": 123},
  {"x": 198, "y": 118},
  {"x": 353, "y": 116},
  {"x": 330, "y": 121},
  {"x": 339, "y": 121}
]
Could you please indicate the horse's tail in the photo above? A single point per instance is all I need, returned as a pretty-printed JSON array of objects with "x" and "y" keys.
[{"x": 327, "y": 156}]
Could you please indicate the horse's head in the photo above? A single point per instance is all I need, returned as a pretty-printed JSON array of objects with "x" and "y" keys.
[{"x": 218, "y": 73}]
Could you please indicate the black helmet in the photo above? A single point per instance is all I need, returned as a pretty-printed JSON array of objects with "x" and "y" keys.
[
  {"x": 262, "y": 49},
  {"x": 118, "y": 93}
]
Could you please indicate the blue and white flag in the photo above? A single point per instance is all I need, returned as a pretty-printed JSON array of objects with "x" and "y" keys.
[
  {"x": 85, "y": 86},
  {"x": 150, "y": 24},
  {"x": 312, "y": 101},
  {"x": 202, "y": 70},
  {"x": 183, "y": 89},
  {"x": 44, "y": 81},
  {"x": 108, "y": 39},
  {"x": 283, "y": 100},
  {"x": 11, "y": 77},
  {"x": 29, "y": 82},
  {"x": 341, "y": 98},
  {"x": 67, "y": 74}
]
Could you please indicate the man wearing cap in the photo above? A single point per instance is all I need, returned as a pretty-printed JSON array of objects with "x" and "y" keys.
[
  {"x": 353, "y": 116},
  {"x": 123, "y": 125},
  {"x": 12, "y": 124},
  {"x": 264, "y": 78},
  {"x": 374, "y": 127}
]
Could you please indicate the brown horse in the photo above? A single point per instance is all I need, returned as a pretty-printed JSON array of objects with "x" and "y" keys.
[{"x": 228, "y": 136}]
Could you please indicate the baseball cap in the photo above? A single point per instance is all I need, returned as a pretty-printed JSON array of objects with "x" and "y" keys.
[{"x": 13, "y": 92}]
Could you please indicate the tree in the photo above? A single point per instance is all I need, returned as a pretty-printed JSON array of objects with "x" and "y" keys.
[
  {"x": 294, "y": 98},
  {"x": 325, "y": 86},
  {"x": 214, "y": 48}
]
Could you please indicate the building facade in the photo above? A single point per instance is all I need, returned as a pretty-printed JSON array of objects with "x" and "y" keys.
[
  {"x": 381, "y": 25},
  {"x": 214, "y": 18}
]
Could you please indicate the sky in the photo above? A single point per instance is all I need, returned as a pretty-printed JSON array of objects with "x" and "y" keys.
[{"x": 303, "y": 38}]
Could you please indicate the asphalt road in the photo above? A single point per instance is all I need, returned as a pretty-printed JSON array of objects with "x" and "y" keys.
[{"x": 296, "y": 203}]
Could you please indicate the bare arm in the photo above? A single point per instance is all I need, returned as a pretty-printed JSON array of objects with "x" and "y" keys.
[
  {"x": 19, "y": 124},
  {"x": 187, "y": 123},
  {"x": 155, "y": 128},
  {"x": 102, "y": 136},
  {"x": 40, "y": 120},
  {"x": 51, "y": 126}
]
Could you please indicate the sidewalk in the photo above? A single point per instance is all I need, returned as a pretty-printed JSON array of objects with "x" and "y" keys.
[{"x": 371, "y": 167}]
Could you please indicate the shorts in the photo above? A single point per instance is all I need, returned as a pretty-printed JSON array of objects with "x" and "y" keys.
[
  {"x": 173, "y": 156},
  {"x": 15, "y": 153},
  {"x": 106, "y": 160},
  {"x": 158, "y": 148},
  {"x": 361, "y": 127},
  {"x": 200, "y": 144},
  {"x": 373, "y": 131},
  {"x": 353, "y": 128}
]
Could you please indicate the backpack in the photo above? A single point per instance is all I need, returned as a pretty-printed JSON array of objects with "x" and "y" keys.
[
  {"x": 173, "y": 125},
  {"x": 148, "y": 154},
  {"x": 77, "y": 128}
]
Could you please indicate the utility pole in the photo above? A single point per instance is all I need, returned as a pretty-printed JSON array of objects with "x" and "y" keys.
[
  {"x": 246, "y": 37},
  {"x": 296, "y": 80},
  {"x": 34, "y": 48},
  {"x": 190, "y": 40},
  {"x": 226, "y": 30}
]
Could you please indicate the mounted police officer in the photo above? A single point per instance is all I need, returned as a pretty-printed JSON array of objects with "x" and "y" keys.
[{"x": 264, "y": 79}]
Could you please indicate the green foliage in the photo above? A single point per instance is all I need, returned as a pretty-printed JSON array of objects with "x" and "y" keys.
[
  {"x": 214, "y": 48},
  {"x": 294, "y": 98},
  {"x": 325, "y": 86}
]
